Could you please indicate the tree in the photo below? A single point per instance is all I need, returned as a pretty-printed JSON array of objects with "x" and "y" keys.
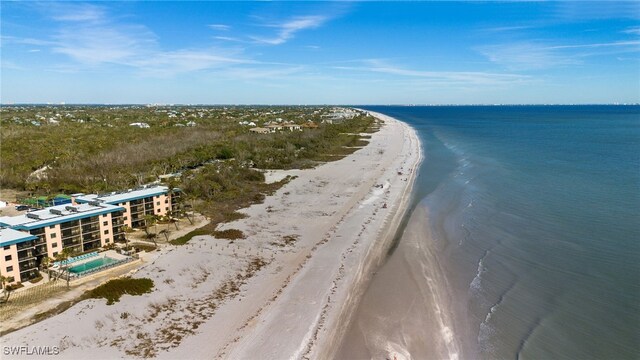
[
  {"x": 46, "y": 262},
  {"x": 150, "y": 220},
  {"x": 6, "y": 290},
  {"x": 126, "y": 230},
  {"x": 64, "y": 255}
]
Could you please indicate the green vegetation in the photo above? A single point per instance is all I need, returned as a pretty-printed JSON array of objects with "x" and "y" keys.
[
  {"x": 185, "y": 238},
  {"x": 144, "y": 247},
  {"x": 114, "y": 289},
  {"x": 214, "y": 156},
  {"x": 93, "y": 149},
  {"x": 231, "y": 234}
]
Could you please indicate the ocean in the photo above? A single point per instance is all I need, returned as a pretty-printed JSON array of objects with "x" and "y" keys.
[{"x": 523, "y": 241}]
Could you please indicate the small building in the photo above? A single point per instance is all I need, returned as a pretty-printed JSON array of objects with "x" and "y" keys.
[
  {"x": 140, "y": 125},
  {"x": 292, "y": 127},
  {"x": 260, "y": 130},
  {"x": 310, "y": 125},
  {"x": 274, "y": 127}
]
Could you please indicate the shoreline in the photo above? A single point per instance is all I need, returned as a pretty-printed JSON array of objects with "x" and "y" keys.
[
  {"x": 376, "y": 254},
  {"x": 287, "y": 290}
]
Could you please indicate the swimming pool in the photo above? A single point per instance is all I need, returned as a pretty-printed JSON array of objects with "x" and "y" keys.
[{"x": 90, "y": 265}]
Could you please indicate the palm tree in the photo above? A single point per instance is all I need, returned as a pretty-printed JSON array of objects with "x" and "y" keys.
[
  {"x": 6, "y": 290},
  {"x": 148, "y": 221},
  {"x": 126, "y": 230},
  {"x": 46, "y": 261},
  {"x": 65, "y": 254}
]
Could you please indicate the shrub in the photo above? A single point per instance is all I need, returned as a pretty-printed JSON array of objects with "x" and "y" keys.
[
  {"x": 185, "y": 238},
  {"x": 231, "y": 234},
  {"x": 114, "y": 289}
]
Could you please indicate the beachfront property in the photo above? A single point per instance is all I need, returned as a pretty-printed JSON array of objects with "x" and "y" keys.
[
  {"x": 88, "y": 223},
  {"x": 155, "y": 200},
  {"x": 26, "y": 240}
]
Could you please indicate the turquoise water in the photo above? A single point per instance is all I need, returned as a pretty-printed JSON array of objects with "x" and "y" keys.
[
  {"x": 534, "y": 222},
  {"x": 79, "y": 269}
]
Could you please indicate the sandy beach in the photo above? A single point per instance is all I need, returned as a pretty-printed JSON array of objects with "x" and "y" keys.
[{"x": 286, "y": 291}]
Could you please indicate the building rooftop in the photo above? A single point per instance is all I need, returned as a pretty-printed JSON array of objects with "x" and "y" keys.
[
  {"x": 119, "y": 197},
  {"x": 10, "y": 237},
  {"x": 55, "y": 215}
]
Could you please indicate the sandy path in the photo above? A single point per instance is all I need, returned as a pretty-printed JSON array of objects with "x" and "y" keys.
[{"x": 210, "y": 303}]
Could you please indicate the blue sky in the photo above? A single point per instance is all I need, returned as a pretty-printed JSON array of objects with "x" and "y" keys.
[{"x": 320, "y": 52}]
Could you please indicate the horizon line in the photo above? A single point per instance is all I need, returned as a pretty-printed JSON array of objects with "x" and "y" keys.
[{"x": 324, "y": 104}]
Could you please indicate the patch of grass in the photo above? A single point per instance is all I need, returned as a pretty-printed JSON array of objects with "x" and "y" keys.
[
  {"x": 144, "y": 247},
  {"x": 114, "y": 289},
  {"x": 232, "y": 216},
  {"x": 185, "y": 238},
  {"x": 231, "y": 234}
]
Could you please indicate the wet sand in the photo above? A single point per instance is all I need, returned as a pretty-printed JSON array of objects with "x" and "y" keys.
[{"x": 404, "y": 313}]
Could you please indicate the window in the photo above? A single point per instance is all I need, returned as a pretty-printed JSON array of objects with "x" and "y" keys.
[
  {"x": 158, "y": 203},
  {"x": 105, "y": 223},
  {"x": 166, "y": 208},
  {"x": 52, "y": 227},
  {"x": 7, "y": 247},
  {"x": 106, "y": 232},
  {"x": 9, "y": 268},
  {"x": 53, "y": 235},
  {"x": 54, "y": 245},
  {"x": 55, "y": 253},
  {"x": 166, "y": 201},
  {"x": 104, "y": 215},
  {"x": 124, "y": 218},
  {"x": 158, "y": 210},
  {"x": 106, "y": 240},
  {"x": 7, "y": 258}
]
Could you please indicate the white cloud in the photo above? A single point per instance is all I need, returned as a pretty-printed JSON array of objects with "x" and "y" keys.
[
  {"x": 89, "y": 37},
  {"x": 220, "y": 27},
  {"x": 533, "y": 56},
  {"x": 288, "y": 29},
  {"x": 632, "y": 30},
  {"x": 76, "y": 12},
  {"x": 441, "y": 77},
  {"x": 97, "y": 44}
]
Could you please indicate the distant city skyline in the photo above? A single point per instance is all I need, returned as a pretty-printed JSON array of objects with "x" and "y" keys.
[{"x": 320, "y": 52}]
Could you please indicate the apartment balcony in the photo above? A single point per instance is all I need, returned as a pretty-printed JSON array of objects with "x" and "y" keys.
[
  {"x": 71, "y": 242},
  {"x": 41, "y": 250},
  {"x": 69, "y": 225},
  {"x": 27, "y": 265},
  {"x": 68, "y": 233},
  {"x": 25, "y": 245},
  {"x": 91, "y": 237},
  {"x": 90, "y": 229}
]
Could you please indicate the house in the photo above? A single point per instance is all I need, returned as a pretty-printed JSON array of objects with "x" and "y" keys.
[
  {"x": 140, "y": 125},
  {"x": 273, "y": 127},
  {"x": 310, "y": 125},
  {"x": 292, "y": 127},
  {"x": 260, "y": 130}
]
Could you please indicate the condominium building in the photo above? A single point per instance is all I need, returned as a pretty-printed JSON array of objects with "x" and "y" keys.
[
  {"x": 28, "y": 239},
  {"x": 157, "y": 200}
]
